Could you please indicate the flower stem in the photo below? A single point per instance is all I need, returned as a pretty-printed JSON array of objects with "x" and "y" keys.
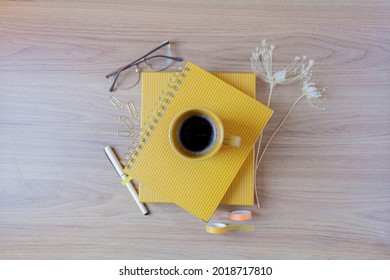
[
  {"x": 279, "y": 126},
  {"x": 271, "y": 88}
]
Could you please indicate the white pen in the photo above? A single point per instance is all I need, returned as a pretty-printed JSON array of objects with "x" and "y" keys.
[{"x": 118, "y": 167}]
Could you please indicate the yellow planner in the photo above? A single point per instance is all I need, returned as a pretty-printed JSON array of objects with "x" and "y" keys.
[
  {"x": 196, "y": 186},
  {"x": 241, "y": 190}
]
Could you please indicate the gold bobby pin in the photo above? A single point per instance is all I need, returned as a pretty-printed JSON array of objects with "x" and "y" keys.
[
  {"x": 145, "y": 132},
  {"x": 172, "y": 86},
  {"x": 149, "y": 126},
  {"x": 160, "y": 106},
  {"x": 165, "y": 92},
  {"x": 125, "y": 159},
  {"x": 166, "y": 100},
  {"x": 130, "y": 158},
  {"x": 142, "y": 139},
  {"x": 173, "y": 79},
  {"x": 137, "y": 145},
  {"x": 153, "y": 119},
  {"x": 157, "y": 113},
  {"x": 133, "y": 152}
]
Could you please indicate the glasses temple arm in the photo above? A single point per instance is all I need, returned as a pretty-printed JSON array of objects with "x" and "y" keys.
[
  {"x": 116, "y": 72},
  {"x": 175, "y": 58},
  {"x": 136, "y": 61},
  {"x": 132, "y": 64},
  {"x": 114, "y": 82}
]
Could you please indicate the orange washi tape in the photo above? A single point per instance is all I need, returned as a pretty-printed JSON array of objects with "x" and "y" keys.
[{"x": 241, "y": 215}]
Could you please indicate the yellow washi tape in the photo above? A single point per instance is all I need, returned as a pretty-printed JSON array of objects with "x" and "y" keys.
[
  {"x": 220, "y": 228},
  {"x": 241, "y": 215},
  {"x": 216, "y": 228}
]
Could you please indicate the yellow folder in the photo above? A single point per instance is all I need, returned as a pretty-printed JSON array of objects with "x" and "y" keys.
[
  {"x": 241, "y": 190},
  {"x": 196, "y": 186}
]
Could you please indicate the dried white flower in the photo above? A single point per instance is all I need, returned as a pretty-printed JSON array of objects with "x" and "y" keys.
[
  {"x": 309, "y": 90},
  {"x": 262, "y": 65},
  {"x": 297, "y": 70}
]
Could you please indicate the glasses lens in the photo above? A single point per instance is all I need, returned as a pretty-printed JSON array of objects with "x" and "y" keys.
[
  {"x": 127, "y": 78},
  {"x": 160, "y": 59}
]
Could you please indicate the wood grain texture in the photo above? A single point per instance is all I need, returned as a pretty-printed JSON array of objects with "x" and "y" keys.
[{"x": 323, "y": 183}]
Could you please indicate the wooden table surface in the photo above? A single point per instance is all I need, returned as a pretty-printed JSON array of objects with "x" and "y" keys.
[{"x": 323, "y": 183}]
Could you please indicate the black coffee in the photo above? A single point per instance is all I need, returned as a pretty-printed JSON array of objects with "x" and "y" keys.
[{"x": 197, "y": 134}]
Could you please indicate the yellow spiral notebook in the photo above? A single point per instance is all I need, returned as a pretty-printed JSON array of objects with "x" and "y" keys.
[
  {"x": 241, "y": 190},
  {"x": 196, "y": 186}
]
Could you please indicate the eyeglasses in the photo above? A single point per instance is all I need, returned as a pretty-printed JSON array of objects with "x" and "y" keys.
[{"x": 158, "y": 59}]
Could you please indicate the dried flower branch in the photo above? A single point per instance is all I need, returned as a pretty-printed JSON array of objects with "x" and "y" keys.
[
  {"x": 297, "y": 70},
  {"x": 308, "y": 90},
  {"x": 261, "y": 61}
]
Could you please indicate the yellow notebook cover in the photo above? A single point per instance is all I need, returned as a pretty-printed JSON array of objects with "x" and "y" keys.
[
  {"x": 196, "y": 186},
  {"x": 241, "y": 190}
]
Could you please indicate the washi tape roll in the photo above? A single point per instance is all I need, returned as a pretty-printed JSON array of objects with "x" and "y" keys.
[
  {"x": 241, "y": 215},
  {"x": 237, "y": 215},
  {"x": 216, "y": 228},
  {"x": 221, "y": 228}
]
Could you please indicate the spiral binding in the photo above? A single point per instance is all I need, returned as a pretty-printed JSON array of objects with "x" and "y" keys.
[{"x": 165, "y": 99}]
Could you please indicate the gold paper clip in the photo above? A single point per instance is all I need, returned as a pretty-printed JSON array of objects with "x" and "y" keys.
[
  {"x": 127, "y": 122},
  {"x": 116, "y": 102},
  {"x": 132, "y": 110},
  {"x": 125, "y": 133}
]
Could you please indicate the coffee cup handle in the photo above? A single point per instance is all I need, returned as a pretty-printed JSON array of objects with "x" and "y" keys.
[{"x": 232, "y": 141}]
